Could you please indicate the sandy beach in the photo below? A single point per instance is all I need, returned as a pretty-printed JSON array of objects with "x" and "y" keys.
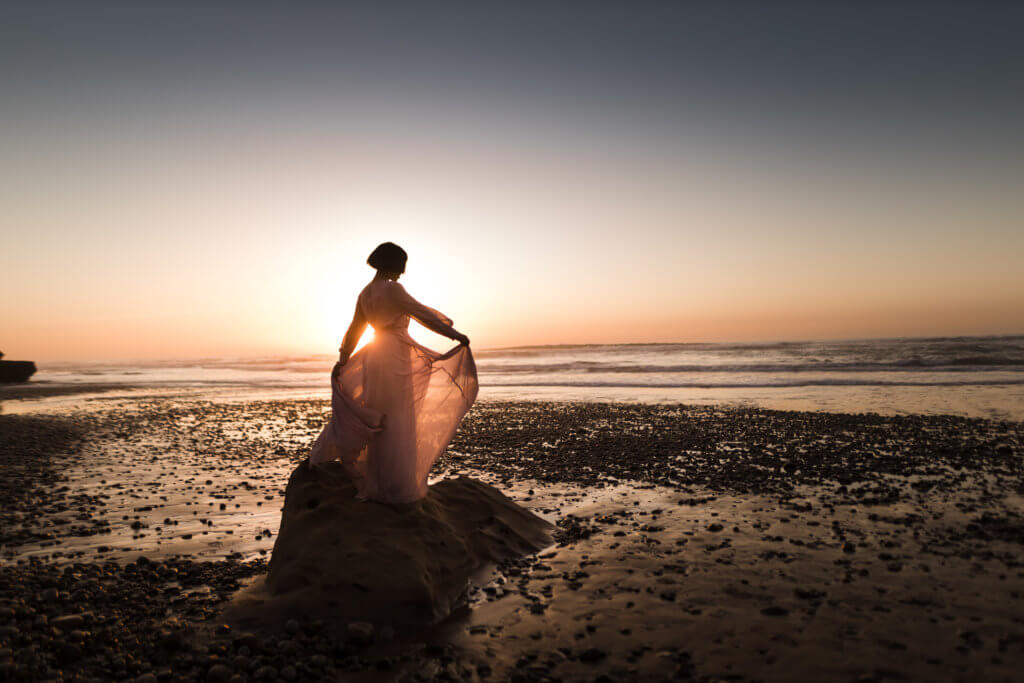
[{"x": 693, "y": 543}]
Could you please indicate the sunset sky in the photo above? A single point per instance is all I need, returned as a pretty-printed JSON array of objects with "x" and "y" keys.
[{"x": 208, "y": 179}]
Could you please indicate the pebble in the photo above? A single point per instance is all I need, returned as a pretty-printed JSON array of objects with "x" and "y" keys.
[
  {"x": 68, "y": 622},
  {"x": 265, "y": 673},
  {"x": 218, "y": 673},
  {"x": 775, "y": 611},
  {"x": 361, "y": 630},
  {"x": 251, "y": 641}
]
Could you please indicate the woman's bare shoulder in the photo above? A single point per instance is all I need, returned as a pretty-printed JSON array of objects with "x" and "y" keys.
[
  {"x": 391, "y": 287},
  {"x": 365, "y": 291},
  {"x": 386, "y": 289}
]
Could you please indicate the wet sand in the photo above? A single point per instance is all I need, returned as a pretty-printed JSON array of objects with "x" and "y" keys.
[{"x": 694, "y": 543}]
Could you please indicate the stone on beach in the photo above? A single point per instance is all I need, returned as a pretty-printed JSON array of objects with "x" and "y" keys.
[{"x": 346, "y": 560}]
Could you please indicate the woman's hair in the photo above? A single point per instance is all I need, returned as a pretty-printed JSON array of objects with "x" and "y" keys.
[{"x": 389, "y": 258}]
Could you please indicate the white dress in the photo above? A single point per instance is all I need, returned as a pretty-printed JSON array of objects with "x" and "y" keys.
[{"x": 396, "y": 404}]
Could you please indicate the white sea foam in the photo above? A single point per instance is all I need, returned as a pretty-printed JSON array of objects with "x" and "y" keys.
[{"x": 967, "y": 375}]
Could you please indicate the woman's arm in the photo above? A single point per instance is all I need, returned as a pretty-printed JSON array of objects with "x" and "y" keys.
[
  {"x": 430, "y": 318},
  {"x": 352, "y": 336}
]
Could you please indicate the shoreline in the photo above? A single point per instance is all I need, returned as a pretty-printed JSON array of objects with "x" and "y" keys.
[
  {"x": 999, "y": 401},
  {"x": 694, "y": 542},
  {"x": 70, "y": 398}
]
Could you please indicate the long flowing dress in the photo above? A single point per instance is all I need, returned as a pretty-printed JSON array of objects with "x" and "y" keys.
[{"x": 396, "y": 404}]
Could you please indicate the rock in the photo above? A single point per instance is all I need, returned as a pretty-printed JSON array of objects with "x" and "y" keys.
[
  {"x": 251, "y": 641},
  {"x": 218, "y": 673},
  {"x": 265, "y": 673},
  {"x": 292, "y": 626},
  {"x": 849, "y": 547},
  {"x": 172, "y": 640},
  {"x": 592, "y": 655},
  {"x": 775, "y": 611},
  {"x": 344, "y": 560},
  {"x": 289, "y": 673},
  {"x": 146, "y": 678},
  {"x": 361, "y": 631},
  {"x": 50, "y": 595},
  {"x": 1004, "y": 449},
  {"x": 16, "y": 370},
  {"x": 386, "y": 634},
  {"x": 68, "y": 622}
]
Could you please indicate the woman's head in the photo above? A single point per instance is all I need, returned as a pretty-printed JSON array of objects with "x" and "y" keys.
[{"x": 389, "y": 260}]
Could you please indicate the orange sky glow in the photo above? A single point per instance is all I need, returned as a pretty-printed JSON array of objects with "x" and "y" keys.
[{"x": 235, "y": 220}]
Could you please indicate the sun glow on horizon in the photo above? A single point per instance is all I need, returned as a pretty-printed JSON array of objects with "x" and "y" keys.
[{"x": 169, "y": 203}]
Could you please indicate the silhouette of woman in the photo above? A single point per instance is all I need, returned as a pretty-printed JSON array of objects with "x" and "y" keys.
[{"x": 395, "y": 404}]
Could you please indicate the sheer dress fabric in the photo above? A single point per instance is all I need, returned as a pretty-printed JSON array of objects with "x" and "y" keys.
[{"x": 396, "y": 404}]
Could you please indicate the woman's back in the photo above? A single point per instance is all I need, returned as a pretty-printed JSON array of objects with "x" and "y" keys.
[{"x": 386, "y": 305}]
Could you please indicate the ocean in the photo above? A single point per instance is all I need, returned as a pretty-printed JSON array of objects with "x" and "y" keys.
[{"x": 970, "y": 376}]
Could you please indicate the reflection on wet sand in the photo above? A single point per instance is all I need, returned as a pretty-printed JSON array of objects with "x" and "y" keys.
[{"x": 692, "y": 542}]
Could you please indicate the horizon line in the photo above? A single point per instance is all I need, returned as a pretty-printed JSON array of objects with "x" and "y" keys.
[{"x": 569, "y": 346}]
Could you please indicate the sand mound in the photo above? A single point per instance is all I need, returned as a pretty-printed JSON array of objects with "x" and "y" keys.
[{"x": 342, "y": 560}]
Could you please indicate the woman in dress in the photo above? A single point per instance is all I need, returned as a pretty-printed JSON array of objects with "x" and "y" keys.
[{"x": 395, "y": 404}]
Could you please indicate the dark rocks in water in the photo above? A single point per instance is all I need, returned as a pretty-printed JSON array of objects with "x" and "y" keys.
[
  {"x": 345, "y": 560},
  {"x": 16, "y": 370}
]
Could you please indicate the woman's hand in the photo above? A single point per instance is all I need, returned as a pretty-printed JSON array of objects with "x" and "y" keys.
[{"x": 343, "y": 355}]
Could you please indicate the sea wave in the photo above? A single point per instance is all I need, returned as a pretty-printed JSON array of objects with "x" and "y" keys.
[
  {"x": 909, "y": 365},
  {"x": 765, "y": 385},
  {"x": 1013, "y": 343}
]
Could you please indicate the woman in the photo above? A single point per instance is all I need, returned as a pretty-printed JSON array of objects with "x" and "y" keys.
[{"x": 395, "y": 404}]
